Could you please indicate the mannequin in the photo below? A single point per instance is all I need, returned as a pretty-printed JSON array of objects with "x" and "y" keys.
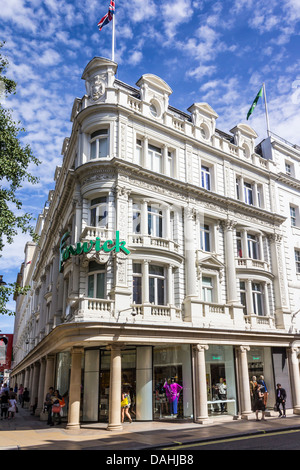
[{"x": 172, "y": 391}]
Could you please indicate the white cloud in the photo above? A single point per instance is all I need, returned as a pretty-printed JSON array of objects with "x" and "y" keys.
[{"x": 135, "y": 58}]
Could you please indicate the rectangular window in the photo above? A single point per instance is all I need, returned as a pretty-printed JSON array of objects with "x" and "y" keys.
[
  {"x": 293, "y": 216},
  {"x": 170, "y": 165},
  {"x": 139, "y": 150},
  {"x": 98, "y": 212},
  {"x": 297, "y": 259},
  {"x": 248, "y": 194},
  {"x": 253, "y": 246},
  {"x": 205, "y": 237},
  {"x": 99, "y": 144},
  {"x": 257, "y": 299},
  {"x": 155, "y": 158},
  {"x": 237, "y": 186},
  {"x": 243, "y": 296},
  {"x": 154, "y": 221},
  {"x": 239, "y": 244},
  {"x": 156, "y": 285},
  {"x": 136, "y": 218},
  {"x": 137, "y": 283},
  {"x": 96, "y": 280},
  {"x": 288, "y": 168},
  {"x": 205, "y": 177},
  {"x": 207, "y": 289}
]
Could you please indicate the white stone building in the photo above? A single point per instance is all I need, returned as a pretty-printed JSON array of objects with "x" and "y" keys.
[{"x": 168, "y": 250}]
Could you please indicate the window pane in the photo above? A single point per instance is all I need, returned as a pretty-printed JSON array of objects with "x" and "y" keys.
[
  {"x": 93, "y": 217},
  {"x": 136, "y": 219},
  {"x": 156, "y": 270},
  {"x": 151, "y": 290},
  {"x": 93, "y": 149},
  {"x": 91, "y": 286},
  {"x": 100, "y": 285},
  {"x": 137, "y": 290},
  {"x": 103, "y": 148},
  {"x": 160, "y": 292}
]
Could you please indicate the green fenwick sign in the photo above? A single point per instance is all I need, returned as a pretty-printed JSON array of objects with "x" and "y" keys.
[{"x": 65, "y": 251}]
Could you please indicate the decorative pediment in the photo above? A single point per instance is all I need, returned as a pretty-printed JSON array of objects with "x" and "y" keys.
[{"x": 209, "y": 260}]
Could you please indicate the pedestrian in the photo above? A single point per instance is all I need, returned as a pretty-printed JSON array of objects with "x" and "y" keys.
[
  {"x": 16, "y": 388},
  {"x": 12, "y": 407},
  {"x": 4, "y": 404},
  {"x": 125, "y": 405},
  {"x": 280, "y": 400},
  {"x": 25, "y": 396},
  {"x": 259, "y": 402},
  {"x": 20, "y": 394},
  {"x": 253, "y": 384},
  {"x": 57, "y": 403},
  {"x": 48, "y": 404},
  {"x": 261, "y": 381}
]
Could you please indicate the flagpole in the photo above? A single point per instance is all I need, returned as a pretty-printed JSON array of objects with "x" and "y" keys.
[
  {"x": 267, "y": 116},
  {"x": 113, "y": 39}
]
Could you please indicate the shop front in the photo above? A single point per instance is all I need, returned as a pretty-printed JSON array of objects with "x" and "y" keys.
[
  {"x": 220, "y": 380},
  {"x": 149, "y": 373}
]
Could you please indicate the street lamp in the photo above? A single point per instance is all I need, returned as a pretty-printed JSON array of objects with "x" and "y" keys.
[{"x": 2, "y": 283}]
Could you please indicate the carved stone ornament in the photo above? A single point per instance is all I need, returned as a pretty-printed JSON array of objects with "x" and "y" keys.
[
  {"x": 95, "y": 87},
  {"x": 99, "y": 258}
]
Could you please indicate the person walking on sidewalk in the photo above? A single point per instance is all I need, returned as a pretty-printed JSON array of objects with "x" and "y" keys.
[
  {"x": 12, "y": 407},
  {"x": 259, "y": 404},
  {"x": 4, "y": 404},
  {"x": 48, "y": 404},
  {"x": 280, "y": 400}
]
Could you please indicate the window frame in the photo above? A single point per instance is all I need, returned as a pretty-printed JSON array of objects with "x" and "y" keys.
[
  {"x": 96, "y": 137},
  {"x": 94, "y": 211},
  {"x": 96, "y": 271},
  {"x": 153, "y": 152},
  {"x": 208, "y": 288},
  {"x": 157, "y": 288}
]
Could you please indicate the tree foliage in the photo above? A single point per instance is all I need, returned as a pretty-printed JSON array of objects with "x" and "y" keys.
[{"x": 15, "y": 160}]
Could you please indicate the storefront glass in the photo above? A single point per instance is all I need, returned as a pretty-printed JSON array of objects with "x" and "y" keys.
[
  {"x": 63, "y": 370},
  {"x": 220, "y": 379},
  {"x": 172, "y": 371},
  {"x": 260, "y": 365},
  {"x": 128, "y": 381}
]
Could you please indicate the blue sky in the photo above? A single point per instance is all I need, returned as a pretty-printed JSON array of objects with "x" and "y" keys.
[{"x": 219, "y": 52}]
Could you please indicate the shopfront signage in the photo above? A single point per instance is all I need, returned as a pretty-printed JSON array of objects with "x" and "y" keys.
[
  {"x": 256, "y": 358},
  {"x": 66, "y": 251},
  {"x": 217, "y": 358}
]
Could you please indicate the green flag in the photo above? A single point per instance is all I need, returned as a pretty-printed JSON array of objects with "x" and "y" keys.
[{"x": 254, "y": 103}]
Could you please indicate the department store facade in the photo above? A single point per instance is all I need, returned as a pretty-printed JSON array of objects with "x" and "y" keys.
[{"x": 168, "y": 251}]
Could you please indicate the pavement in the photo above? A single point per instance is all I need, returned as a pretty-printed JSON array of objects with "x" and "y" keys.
[{"x": 27, "y": 432}]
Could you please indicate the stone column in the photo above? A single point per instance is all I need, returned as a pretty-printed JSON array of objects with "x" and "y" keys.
[
  {"x": 201, "y": 413},
  {"x": 295, "y": 378},
  {"x": 228, "y": 226},
  {"x": 244, "y": 383},
  {"x": 35, "y": 383},
  {"x": 75, "y": 389},
  {"x": 190, "y": 252},
  {"x": 41, "y": 398},
  {"x": 26, "y": 378},
  {"x": 114, "y": 423}
]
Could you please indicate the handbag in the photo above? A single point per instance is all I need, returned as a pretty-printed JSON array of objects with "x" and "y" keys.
[
  {"x": 56, "y": 408},
  {"x": 124, "y": 402}
]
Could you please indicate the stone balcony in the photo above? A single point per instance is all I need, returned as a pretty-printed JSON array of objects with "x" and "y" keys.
[
  {"x": 137, "y": 240},
  {"x": 249, "y": 263}
]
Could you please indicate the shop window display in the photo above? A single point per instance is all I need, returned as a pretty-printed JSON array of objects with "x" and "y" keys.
[
  {"x": 172, "y": 382},
  {"x": 220, "y": 379},
  {"x": 260, "y": 369}
]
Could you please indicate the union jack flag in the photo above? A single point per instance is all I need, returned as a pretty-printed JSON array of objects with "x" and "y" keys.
[{"x": 109, "y": 15}]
